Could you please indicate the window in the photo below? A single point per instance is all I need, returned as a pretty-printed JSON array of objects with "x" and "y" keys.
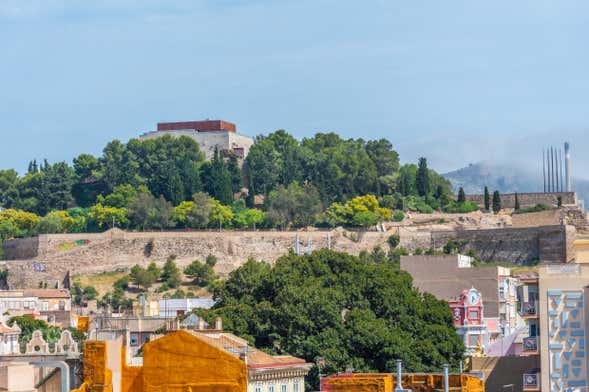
[
  {"x": 61, "y": 305},
  {"x": 295, "y": 387},
  {"x": 144, "y": 338},
  {"x": 473, "y": 314},
  {"x": 134, "y": 339},
  {"x": 258, "y": 387},
  {"x": 271, "y": 388},
  {"x": 473, "y": 340},
  {"x": 283, "y": 388}
]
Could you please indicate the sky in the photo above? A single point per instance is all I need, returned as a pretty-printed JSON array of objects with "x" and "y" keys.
[{"x": 454, "y": 81}]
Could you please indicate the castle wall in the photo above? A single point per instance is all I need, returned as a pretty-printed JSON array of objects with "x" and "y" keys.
[
  {"x": 547, "y": 244},
  {"x": 528, "y": 199},
  {"x": 207, "y": 141},
  {"x": 119, "y": 250}
]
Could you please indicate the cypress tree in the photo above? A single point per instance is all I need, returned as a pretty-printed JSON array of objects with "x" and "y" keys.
[
  {"x": 461, "y": 195},
  {"x": 221, "y": 179},
  {"x": 516, "y": 202},
  {"x": 422, "y": 180},
  {"x": 487, "y": 199},
  {"x": 251, "y": 192},
  {"x": 496, "y": 202}
]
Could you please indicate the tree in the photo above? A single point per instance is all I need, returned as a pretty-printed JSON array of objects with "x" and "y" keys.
[
  {"x": 171, "y": 273},
  {"x": 294, "y": 205},
  {"x": 496, "y": 202},
  {"x": 384, "y": 157},
  {"x": 234, "y": 173},
  {"x": 487, "y": 199},
  {"x": 150, "y": 212},
  {"x": 422, "y": 178},
  {"x": 201, "y": 274},
  {"x": 461, "y": 195},
  {"x": 198, "y": 216},
  {"x": 142, "y": 277},
  {"x": 108, "y": 216},
  {"x": 251, "y": 192},
  {"x": 339, "y": 307},
  {"x": 517, "y": 206},
  {"x": 220, "y": 214},
  {"x": 361, "y": 211},
  {"x": 221, "y": 188},
  {"x": 55, "y": 222}
]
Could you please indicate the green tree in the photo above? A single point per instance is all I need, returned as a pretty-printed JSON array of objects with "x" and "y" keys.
[
  {"x": 142, "y": 277},
  {"x": 201, "y": 274},
  {"x": 171, "y": 274},
  {"x": 517, "y": 206},
  {"x": 422, "y": 178},
  {"x": 199, "y": 215},
  {"x": 220, "y": 214},
  {"x": 461, "y": 195},
  {"x": 487, "y": 199},
  {"x": 294, "y": 205},
  {"x": 496, "y": 202},
  {"x": 339, "y": 307},
  {"x": 221, "y": 188},
  {"x": 234, "y": 173}
]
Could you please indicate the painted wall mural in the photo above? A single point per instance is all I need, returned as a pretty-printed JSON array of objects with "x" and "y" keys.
[{"x": 566, "y": 340}]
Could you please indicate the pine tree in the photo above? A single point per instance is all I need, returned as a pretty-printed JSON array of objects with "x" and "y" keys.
[
  {"x": 422, "y": 179},
  {"x": 496, "y": 202},
  {"x": 517, "y": 207},
  {"x": 487, "y": 199},
  {"x": 461, "y": 195}
]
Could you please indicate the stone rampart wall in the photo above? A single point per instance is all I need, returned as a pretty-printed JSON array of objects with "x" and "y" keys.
[
  {"x": 119, "y": 250},
  {"x": 20, "y": 248},
  {"x": 547, "y": 244},
  {"x": 528, "y": 199}
]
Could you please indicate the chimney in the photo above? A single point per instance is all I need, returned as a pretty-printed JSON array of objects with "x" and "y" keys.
[
  {"x": 218, "y": 324},
  {"x": 201, "y": 324},
  {"x": 567, "y": 167}
]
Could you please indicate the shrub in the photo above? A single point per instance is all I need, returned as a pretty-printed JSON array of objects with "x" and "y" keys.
[
  {"x": 394, "y": 240},
  {"x": 398, "y": 216}
]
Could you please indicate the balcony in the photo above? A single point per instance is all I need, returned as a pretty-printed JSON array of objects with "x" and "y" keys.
[
  {"x": 531, "y": 382},
  {"x": 529, "y": 309},
  {"x": 530, "y": 345}
]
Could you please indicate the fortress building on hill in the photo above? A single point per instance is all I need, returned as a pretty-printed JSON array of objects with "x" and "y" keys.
[{"x": 209, "y": 134}]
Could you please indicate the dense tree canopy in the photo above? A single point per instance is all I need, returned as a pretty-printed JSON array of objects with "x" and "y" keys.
[
  {"x": 351, "y": 311},
  {"x": 166, "y": 182}
]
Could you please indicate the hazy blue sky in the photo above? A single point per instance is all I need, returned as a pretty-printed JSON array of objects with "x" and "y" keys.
[{"x": 456, "y": 81}]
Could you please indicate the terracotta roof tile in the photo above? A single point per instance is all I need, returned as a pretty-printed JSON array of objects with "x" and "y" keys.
[{"x": 255, "y": 358}]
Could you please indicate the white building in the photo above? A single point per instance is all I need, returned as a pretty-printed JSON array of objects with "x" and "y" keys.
[
  {"x": 209, "y": 134},
  {"x": 171, "y": 307}
]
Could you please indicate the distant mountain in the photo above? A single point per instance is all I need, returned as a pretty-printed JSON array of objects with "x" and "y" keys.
[{"x": 505, "y": 179}]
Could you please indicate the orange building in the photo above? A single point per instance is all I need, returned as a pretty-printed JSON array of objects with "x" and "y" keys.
[{"x": 384, "y": 382}]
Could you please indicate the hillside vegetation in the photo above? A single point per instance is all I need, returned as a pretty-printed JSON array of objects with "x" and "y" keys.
[{"x": 166, "y": 183}]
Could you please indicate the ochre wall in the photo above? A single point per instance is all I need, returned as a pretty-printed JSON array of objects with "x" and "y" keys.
[
  {"x": 179, "y": 360},
  {"x": 379, "y": 382},
  {"x": 97, "y": 377}
]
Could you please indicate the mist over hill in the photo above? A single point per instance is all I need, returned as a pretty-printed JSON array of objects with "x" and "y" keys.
[{"x": 505, "y": 179}]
